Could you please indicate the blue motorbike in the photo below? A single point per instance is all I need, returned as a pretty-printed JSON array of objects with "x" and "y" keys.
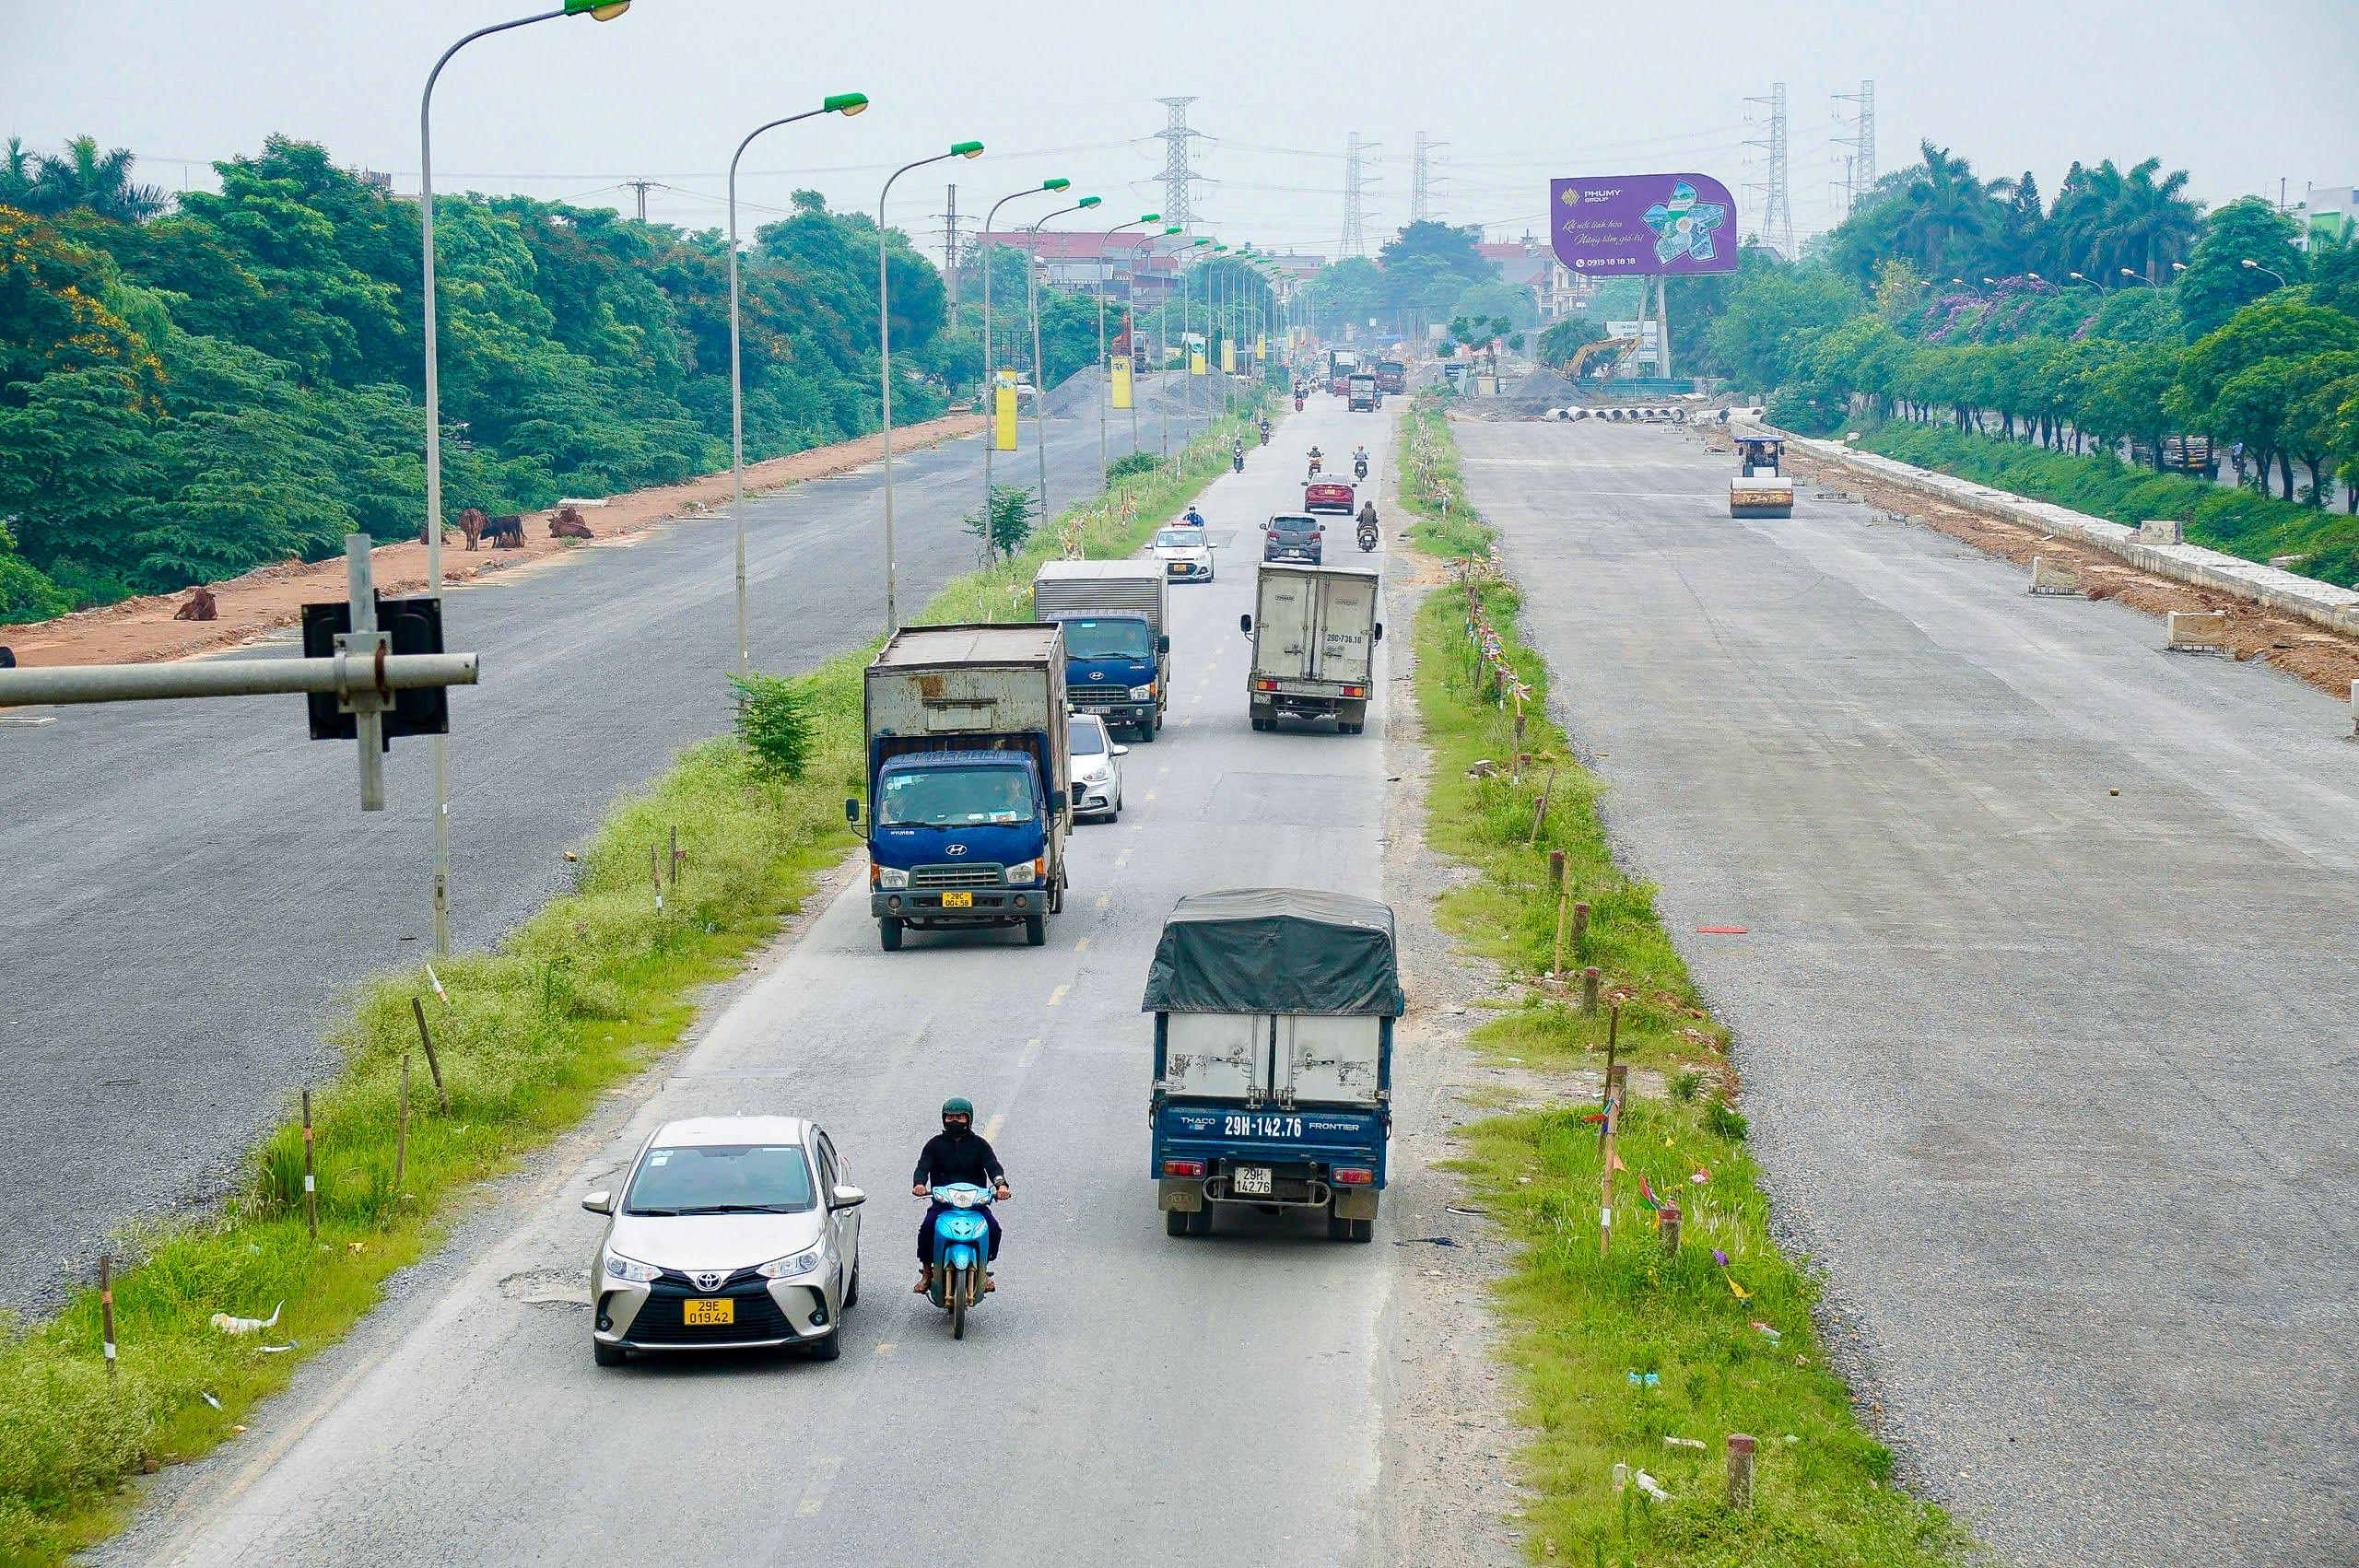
[{"x": 962, "y": 1240}]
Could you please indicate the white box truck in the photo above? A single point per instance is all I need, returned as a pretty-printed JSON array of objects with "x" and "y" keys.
[
  {"x": 1118, "y": 652},
  {"x": 1314, "y": 645}
]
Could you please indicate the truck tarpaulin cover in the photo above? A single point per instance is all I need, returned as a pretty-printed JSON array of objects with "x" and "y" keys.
[{"x": 1275, "y": 950}]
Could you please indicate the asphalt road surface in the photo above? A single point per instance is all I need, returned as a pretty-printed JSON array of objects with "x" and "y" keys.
[
  {"x": 1125, "y": 1397},
  {"x": 191, "y": 887},
  {"x": 2054, "y": 1081}
]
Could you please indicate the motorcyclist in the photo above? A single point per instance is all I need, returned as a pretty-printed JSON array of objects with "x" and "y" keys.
[
  {"x": 1316, "y": 455},
  {"x": 1265, "y": 432},
  {"x": 957, "y": 1154},
  {"x": 1195, "y": 518},
  {"x": 1359, "y": 455},
  {"x": 1366, "y": 521}
]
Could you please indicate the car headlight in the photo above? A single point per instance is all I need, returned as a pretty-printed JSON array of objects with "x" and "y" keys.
[
  {"x": 793, "y": 1267},
  {"x": 1142, "y": 694},
  {"x": 892, "y": 876},
  {"x": 1024, "y": 872},
  {"x": 631, "y": 1269}
]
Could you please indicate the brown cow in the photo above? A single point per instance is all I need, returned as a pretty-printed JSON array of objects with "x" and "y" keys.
[
  {"x": 471, "y": 522},
  {"x": 507, "y": 532},
  {"x": 200, "y": 606},
  {"x": 567, "y": 524}
]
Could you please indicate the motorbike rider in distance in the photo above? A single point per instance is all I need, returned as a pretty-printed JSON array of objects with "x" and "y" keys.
[
  {"x": 1367, "y": 530},
  {"x": 1193, "y": 518},
  {"x": 1316, "y": 455},
  {"x": 957, "y": 1154}
]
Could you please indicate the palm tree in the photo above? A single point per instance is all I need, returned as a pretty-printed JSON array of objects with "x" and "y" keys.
[
  {"x": 2153, "y": 225},
  {"x": 17, "y": 168},
  {"x": 1948, "y": 216},
  {"x": 85, "y": 177}
]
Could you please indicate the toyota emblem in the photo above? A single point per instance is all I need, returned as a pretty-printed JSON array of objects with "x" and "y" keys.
[
  {"x": 711, "y": 1280},
  {"x": 954, "y": 848}
]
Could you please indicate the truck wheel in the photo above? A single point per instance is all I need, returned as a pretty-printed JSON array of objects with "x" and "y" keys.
[
  {"x": 1147, "y": 731},
  {"x": 889, "y": 933},
  {"x": 1175, "y": 1223},
  {"x": 1363, "y": 1229},
  {"x": 1036, "y": 931},
  {"x": 1200, "y": 1223},
  {"x": 1338, "y": 1228}
]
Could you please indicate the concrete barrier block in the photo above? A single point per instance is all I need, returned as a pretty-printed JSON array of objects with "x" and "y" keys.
[
  {"x": 2199, "y": 631},
  {"x": 2161, "y": 531},
  {"x": 2054, "y": 576}
]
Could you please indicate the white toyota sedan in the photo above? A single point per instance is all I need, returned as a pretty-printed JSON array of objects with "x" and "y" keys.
[
  {"x": 1185, "y": 555},
  {"x": 731, "y": 1232}
]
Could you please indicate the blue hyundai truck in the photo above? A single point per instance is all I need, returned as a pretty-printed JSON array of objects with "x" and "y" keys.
[
  {"x": 1118, "y": 652},
  {"x": 969, "y": 752},
  {"x": 1273, "y": 1016}
]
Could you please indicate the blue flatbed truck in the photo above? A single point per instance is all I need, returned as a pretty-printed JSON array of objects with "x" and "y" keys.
[{"x": 1273, "y": 1017}]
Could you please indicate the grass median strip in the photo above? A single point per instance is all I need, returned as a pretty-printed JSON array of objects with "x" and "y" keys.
[
  {"x": 1637, "y": 1360},
  {"x": 596, "y": 986}
]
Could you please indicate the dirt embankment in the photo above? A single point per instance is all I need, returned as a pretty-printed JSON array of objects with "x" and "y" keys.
[
  {"x": 140, "y": 631},
  {"x": 2305, "y": 651}
]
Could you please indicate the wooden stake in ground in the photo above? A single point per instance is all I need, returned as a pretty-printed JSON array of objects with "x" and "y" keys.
[
  {"x": 1613, "y": 1044},
  {"x": 675, "y": 858},
  {"x": 401, "y": 1132},
  {"x": 1589, "y": 979},
  {"x": 1540, "y": 811},
  {"x": 106, "y": 1309},
  {"x": 433, "y": 1063},
  {"x": 311, "y": 1189},
  {"x": 655, "y": 876},
  {"x": 1740, "y": 1471},
  {"x": 1614, "y": 1087},
  {"x": 1666, "y": 1220},
  {"x": 1581, "y": 929},
  {"x": 1556, "y": 873}
]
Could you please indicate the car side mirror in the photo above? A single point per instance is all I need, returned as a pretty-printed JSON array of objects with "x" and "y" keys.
[
  {"x": 1056, "y": 802},
  {"x": 851, "y": 809},
  {"x": 847, "y": 1197},
  {"x": 598, "y": 1202},
  {"x": 1380, "y": 631},
  {"x": 1121, "y": 751},
  {"x": 1163, "y": 645},
  {"x": 1245, "y": 625}
]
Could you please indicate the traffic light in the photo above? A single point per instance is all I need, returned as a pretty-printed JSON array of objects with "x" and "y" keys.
[{"x": 411, "y": 625}]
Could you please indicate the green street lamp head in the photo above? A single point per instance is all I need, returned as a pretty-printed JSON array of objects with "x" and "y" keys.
[
  {"x": 1172, "y": 228},
  {"x": 1090, "y": 201},
  {"x": 844, "y": 103},
  {"x": 1205, "y": 240},
  {"x": 1150, "y": 217},
  {"x": 598, "y": 10},
  {"x": 1055, "y": 184},
  {"x": 967, "y": 149}
]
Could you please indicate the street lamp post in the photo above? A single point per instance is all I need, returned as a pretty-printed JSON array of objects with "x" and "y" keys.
[
  {"x": 1104, "y": 370},
  {"x": 601, "y": 10},
  {"x": 1188, "y": 408},
  {"x": 2251, "y": 265},
  {"x": 1040, "y": 367},
  {"x": 1163, "y": 343},
  {"x": 845, "y": 103},
  {"x": 2135, "y": 276},
  {"x": 885, "y": 360},
  {"x": 991, "y": 374}
]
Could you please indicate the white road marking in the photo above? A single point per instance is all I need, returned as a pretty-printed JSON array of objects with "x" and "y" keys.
[
  {"x": 1058, "y": 995},
  {"x": 815, "y": 1494},
  {"x": 991, "y": 1128},
  {"x": 1082, "y": 945}
]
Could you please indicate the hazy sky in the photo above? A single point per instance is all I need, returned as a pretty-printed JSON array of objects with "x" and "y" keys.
[{"x": 2241, "y": 95}]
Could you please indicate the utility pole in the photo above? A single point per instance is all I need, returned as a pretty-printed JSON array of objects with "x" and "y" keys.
[
  {"x": 1417, "y": 212},
  {"x": 950, "y": 248},
  {"x": 1861, "y": 124},
  {"x": 643, "y": 187},
  {"x": 1177, "y": 173},
  {"x": 1777, "y": 209}
]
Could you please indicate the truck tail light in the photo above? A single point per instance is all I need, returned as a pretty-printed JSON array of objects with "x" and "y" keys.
[
  {"x": 1356, "y": 691},
  {"x": 1353, "y": 1176},
  {"x": 1265, "y": 685},
  {"x": 1183, "y": 1167}
]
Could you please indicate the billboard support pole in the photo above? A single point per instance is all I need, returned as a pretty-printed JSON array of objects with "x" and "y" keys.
[{"x": 1663, "y": 326}]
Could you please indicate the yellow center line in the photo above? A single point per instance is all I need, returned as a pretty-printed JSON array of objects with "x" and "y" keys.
[
  {"x": 991, "y": 1128},
  {"x": 1082, "y": 945},
  {"x": 1058, "y": 995},
  {"x": 1103, "y": 899},
  {"x": 883, "y": 1347}
]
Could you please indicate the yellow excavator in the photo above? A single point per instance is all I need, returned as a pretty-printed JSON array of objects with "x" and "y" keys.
[
  {"x": 1612, "y": 347},
  {"x": 1759, "y": 489}
]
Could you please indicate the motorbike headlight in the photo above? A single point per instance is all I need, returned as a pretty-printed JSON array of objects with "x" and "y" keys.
[
  {"x": 892, "y": 876},
  {"x": 631, "y": 1268},
  {"x": 1142, "y": 694},
  {"x": 793, "y": 1267}
]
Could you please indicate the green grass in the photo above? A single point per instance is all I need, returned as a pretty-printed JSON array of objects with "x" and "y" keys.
[
  {"x": 1581, "y": 1320},
  {"x": 2238, "y": 522},
  {"x": 595, "y": 987}
]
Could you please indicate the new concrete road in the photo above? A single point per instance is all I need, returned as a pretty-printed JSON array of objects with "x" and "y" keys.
[
  {"x": 191, "y": 887},
  {"x": 1125, "y": 1398},
  {"x": 2054, "y": 1080}
]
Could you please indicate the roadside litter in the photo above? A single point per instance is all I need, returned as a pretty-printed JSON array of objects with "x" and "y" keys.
[{"x": 234, "y": 1325}]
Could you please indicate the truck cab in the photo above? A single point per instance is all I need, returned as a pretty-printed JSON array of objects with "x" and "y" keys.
[
  {"x": 1114, "y": 616},
  {"x": 1360, "y": 393}
]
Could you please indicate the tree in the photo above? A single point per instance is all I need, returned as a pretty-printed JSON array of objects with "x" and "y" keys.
[
  {"x": 2217, "y": 283},
  {"x": 1949, "y": 216},
  {"x": 82, "y": 175},
  {"x": 1566, "y": 338},
  {"x": 2125, "y": 397},
  {"x": 1762, "y": 333},
  {"x": 2237, "y": 382},
  {"x": 1008, "y": 524}
]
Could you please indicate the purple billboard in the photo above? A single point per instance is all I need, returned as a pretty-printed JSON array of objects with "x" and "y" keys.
[{"x": 1643, "y": 225}]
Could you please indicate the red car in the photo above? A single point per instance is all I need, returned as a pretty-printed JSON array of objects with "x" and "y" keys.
[{"x": 1327, "y": 495}]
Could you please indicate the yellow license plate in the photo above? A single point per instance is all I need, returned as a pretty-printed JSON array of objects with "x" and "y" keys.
[
  {"x": 958, "y": 900},
  {"x": 709, "y": 1312}
]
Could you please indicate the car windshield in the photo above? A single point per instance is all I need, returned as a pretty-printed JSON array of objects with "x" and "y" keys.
[
  {"x": 956, "y": 797},
  {"x": 1293, "y": 527},
  {"x": 1179, "y": 539},
  {"x": 1088, "y": 737},
  {"x": 722, "y": 1179},
  {"x": 1110, "y": 639}
]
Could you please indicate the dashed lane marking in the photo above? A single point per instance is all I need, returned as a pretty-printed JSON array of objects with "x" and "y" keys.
[
  {"x": 1058, "y": 995},
  {"x": 991, "y": 1128},
  {"x": 1104, "y": 899},
  {"x": 815, "y": 1493},
  {"x": 1082, "y": 945}
]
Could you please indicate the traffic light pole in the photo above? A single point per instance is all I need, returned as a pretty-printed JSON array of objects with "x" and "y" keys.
[{"x": 363, "y": 676}]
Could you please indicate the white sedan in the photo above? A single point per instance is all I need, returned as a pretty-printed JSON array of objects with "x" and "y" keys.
[
  {"x": 1096, "y": 782},
  {"x": 1185, "y": 553}
]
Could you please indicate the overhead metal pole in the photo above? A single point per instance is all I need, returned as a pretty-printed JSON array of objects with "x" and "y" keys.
[
  {"x": 843, "y": 103},
  {"x": 884, "y": 359},
  {"x": 605, "y": 12},
  {"x": 991, "y": 371},
  {"x": 1105, "y": 368},
  {"x": 1040, "y": 368}
]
